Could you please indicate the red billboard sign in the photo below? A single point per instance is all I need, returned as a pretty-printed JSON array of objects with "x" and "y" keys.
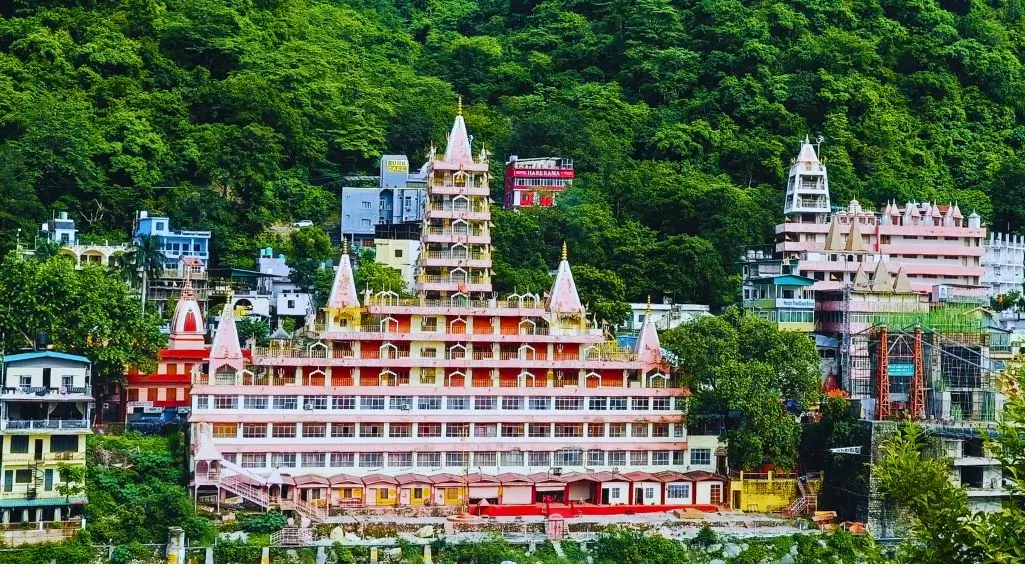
[{"x": 542, "y": 173}]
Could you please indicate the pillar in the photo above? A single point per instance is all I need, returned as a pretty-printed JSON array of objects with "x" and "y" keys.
[
  {"x": 373, "y": 555},
  {"x": 57, "y": 514},
  {"x": 209, "y": 558},
  {"x": 265, "y": 555},
  {"x": 428, "y": 559},
  {"x": 321, "y": 555},
  {"x": 175, "y": 545}
]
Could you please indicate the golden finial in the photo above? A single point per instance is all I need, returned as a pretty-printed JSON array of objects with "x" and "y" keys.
[
  {"x": 345, "y": 246},
  {"x": 648, "y": 309},
  {"x": 459, "y": 105},
  {"x": 565, "y": 253}
]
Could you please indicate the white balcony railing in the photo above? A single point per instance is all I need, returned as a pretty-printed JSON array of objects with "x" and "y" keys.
[{"x": 44, "y": 424}]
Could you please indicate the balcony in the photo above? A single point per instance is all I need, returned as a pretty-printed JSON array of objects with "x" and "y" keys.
[
  {"x": 43, "y": 393},
  {"x": 43, "y": 425}
]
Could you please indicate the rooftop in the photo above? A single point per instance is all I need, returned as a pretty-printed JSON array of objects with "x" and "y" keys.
[{"x": 46, "y": 354}]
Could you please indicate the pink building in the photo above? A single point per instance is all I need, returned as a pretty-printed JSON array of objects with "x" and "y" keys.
[{"x": 446, "y": 399}]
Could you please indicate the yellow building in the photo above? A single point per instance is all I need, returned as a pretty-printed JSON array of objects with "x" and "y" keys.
[
  {"x": 771, "y": 492},
  {"x": 45, "y": 414}
]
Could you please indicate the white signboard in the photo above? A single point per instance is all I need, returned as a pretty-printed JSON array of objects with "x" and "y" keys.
[
  {"x": 133, "y": 405},
  {"x": 848, "y": 450}
]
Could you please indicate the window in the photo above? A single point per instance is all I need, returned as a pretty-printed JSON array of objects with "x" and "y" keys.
[
  {"x": 679, "y": 458},
  {"x": 660, "y": 458},
  {"x": 429, "y": 403},
  {"x": 614, "y": 493},
  {"x": 63, "y": 443},
  {"x": 314, "y": 429},
  {"x": 343, "y": 430},
  {"x": 398, "y": 253},
  {"x": 429, "y": 430},
  {"x": 679, "y": 403},
  {"x": 283, "y": 431},
  {"x": 569, "y": 458},
  {"x": 314, "y": 459},
  {"x": 25, "y": 380},
  {"x": 365, "y": 222},
  {"x": 716, "y": 494},
  {"x": 400, "y": 460},
  {"x": 638, "y": 458},
  {"x": 231, "y": 457},
  {"x": 595, "y": 458},
  {"x": 19, "y": 444},
  {"x": 539, "y": 458},
  {"x": 569, "y": 430},
  {"x": 255, "y": 402},
  {"x": 400, "y": 430},
  {"x": 418, "y": 493},
  {"x": 598, "y": 403},
  {"x": 540, "y": 403},
  {"x": 596, "y": 430},
  {"x": 371, "y": 403},
  {"x": 678, "y": 491},
  {"x": 291, "y": 303},
  {"x": 428, "y": 460},
  {"x": 512, "y": 403},
  {"x": 367, "y": 430},
  {"x": 225, "y": 402},
  {"x": 569, "y": 403},
  {"x": 649, "y": 493},
  {"x": 457, "y": 430},
  {"x": 539, "y": 430},
  {"x": 343, "y": 403},
  {"x": 253, "y": 460},
  {"x": 315, "y": 403},
  {"x": 371, "y": 460},
  {"x": 660, "y": 404},
  {"x": 660, "y": 430},
  {"x": 457, "y": 403},
  {"x": 485, "y": 459},
  {"x": 22, "y": 476},
  {"x": 282, "y": 460},
  {"x": 512, "y": 430},
  {"x": 225, "y": 430},
  {"x": 617, "y": 403},
  {"x": 639, "y": 430},
  {"x": 286, "y": 402},
  {"x": 400, "y": 403},
  {"x": 512, "y": 458},
  {"x": 384, "y": 493},
  {"x": 485, "y": 430},
  {"x": 701, "y": 457},
  {"x": 617, "y": 458},
  {"x": 343, "y": 460},
  {"x": 254, "y": 430},
  {"x": 160, "y": 226},
  {"x": 679, "y": 430},
  {"x": 617, "y": 430},
  {"x": 640, "y": 403},
  {"x": 67, "y": 381},
  {"x": 367, "y": 204},
  {"x": 457, "y": 459},
  {"x": 202, "y": 402},
  {"x": 484, "y": 403}
]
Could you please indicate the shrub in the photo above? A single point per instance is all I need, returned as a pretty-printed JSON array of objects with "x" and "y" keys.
[
  {"x": 706, "y": 536},
  {"x": 134, "y": 553},
  {"x": 265, "y": 523},
  {"x": 236, "y": 552}
]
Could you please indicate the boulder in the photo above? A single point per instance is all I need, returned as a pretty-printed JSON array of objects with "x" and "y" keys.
[
  {"x": 786, "y": 559},
  {"x": 716, "y": 561},
  {"x": 793, "y": 551},
  {"x": 713, "y": 548},
  {"x": 337, "y": 534},
  {"x": 425, "y": 532},
  {"x": 394, "y": 552},
  {"x": 731, "y": 550}
]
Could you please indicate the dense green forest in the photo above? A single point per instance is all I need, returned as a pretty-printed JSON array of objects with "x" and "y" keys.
[{"x": 681, "y": 115}]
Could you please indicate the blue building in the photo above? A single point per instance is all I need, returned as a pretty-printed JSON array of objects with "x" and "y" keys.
[
  {"x": 175, "y": 243},
  {"x": 398, "y": 197}
]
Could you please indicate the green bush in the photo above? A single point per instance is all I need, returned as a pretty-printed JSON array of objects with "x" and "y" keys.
[
  {"x": 619, "y": 546},
  {"x": 133, "y": 553},
  {"x": 706, "y": 536},
  {"x": 236, "y": 552},
  {"x": 74, "y": 550},
  {"x": 265, "y": 523}
]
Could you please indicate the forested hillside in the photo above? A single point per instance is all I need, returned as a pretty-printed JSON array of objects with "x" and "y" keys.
[{"x": 681, "y": 115}]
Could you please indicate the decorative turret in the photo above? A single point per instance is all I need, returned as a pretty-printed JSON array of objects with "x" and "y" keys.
[
  {"x": 225, "y": 350},
  {"x": 457, "y": 149},
  {"x": 343, "y": 289},
  {"x": 648, "y": 348},
  {"x": 834, "y": 240},
  {"x": 902, "y": 285},
  {"x": 948, "y": 218},
  {"x": 974, "y": 220},
  {"x": 882, "y": 281},
  {"x": 955, "y": 214},
  {"x": 912, "y": 217},
  {"x": 861, "y": 278},
  {"x": 807, "y": 185},
  {"x": 187, "y": 330},
  {"x": 855, "y": 243},
  {"x": 563, "y": 299}
]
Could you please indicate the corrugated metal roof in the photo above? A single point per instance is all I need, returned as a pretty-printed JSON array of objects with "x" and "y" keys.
[{"x": 46, "y": 354}]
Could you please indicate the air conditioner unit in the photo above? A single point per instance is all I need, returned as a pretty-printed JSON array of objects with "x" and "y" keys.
[
  {"x": 308, "y": 407},
  {"x": 557, "y": 471},
  {"x": 615, "y": 469}
]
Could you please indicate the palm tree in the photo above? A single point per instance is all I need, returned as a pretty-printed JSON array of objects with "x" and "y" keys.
[{"x": 143, "y": 262}]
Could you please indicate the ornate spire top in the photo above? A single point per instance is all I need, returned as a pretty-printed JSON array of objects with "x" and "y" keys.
[
  {"x": 345, "y": 245},
  {"x": 648, "y": 309},
  {"x": 565, "y": 253},
  {"x": 563, "y": 298},
  {"x": 459, "y": 105}
]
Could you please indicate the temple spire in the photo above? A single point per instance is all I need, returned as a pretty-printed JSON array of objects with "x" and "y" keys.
[
  {"x": 343, "y": 289},
  {"x": 564, "y": 298},
  {"x": 648, "y": 348},
  {"x": 226, "y": 350},
  {"x": 457, "y": 148}
]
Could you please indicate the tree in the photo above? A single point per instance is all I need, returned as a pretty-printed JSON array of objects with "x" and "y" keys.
[
  {"x": 603, "y": 292},
  {"x": 90, "y": 312},
  {"x": 253, "y": 328},
  {"x": 379, "y": 278},
  {"x": 142, "y": 263},
  {"x": 914, "y": 474},
  {"x": 746, "y": 371},
  {"x": 72, "y": 480},
  {"x": 308, "y": 250}
]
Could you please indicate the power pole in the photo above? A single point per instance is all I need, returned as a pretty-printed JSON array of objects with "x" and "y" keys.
[{"x": 845, "y": 339}]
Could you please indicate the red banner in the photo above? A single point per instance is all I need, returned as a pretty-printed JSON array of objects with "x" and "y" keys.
[{"x": 542, "y": 173}]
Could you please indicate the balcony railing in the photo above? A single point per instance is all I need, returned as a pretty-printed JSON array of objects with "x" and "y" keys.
[
  {"x": 43, "y": 392},
  {"x": 45, "y": 424}
]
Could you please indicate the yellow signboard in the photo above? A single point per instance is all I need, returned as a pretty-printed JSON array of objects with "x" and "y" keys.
[{"x": 396, "y": 166}]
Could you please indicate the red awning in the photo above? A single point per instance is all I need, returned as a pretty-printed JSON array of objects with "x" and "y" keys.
[
  {"x": 345, "y": 480},
  {"x": 642, "y": 477},
  {"x": 378, "y": 479},
  {"x": 448, "y": 480},
  {"x": 404, "y": 479},
  {"x": 307, "y": 480},
  {"x": 510, "y": 478}
]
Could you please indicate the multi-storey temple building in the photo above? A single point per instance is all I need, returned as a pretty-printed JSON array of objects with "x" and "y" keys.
[{"x": 452, "y": 397}]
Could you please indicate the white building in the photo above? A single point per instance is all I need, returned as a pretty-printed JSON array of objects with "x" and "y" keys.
[
  {"x": 666, "y": 315},
  {"x": 1004, "y": 263}
]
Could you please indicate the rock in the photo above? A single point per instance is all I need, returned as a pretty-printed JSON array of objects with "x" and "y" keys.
[
  {"x": 510, "y": 562},
  {"x": 425, "y": 532},
  {"x": 823, "y": 543},
  {"x": 713, "y": 548},
  {"x": 744, "y": 547},
  {"x": 731, "y": 550},
  {"x": 240, "y": 536},
  {"x": 292, "y": 554},
  {"x": 590, "y": 559},
  {"x": 793, "y": 551},
  {"x": 716, "y": 561},
  {"x": 337, "y": 534},
  {"x": 395, "y": 552},
  {"x": 786, "y": 559}
]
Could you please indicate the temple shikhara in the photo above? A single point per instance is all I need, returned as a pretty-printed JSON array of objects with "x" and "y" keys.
[{"x": 452, "y": 398}]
